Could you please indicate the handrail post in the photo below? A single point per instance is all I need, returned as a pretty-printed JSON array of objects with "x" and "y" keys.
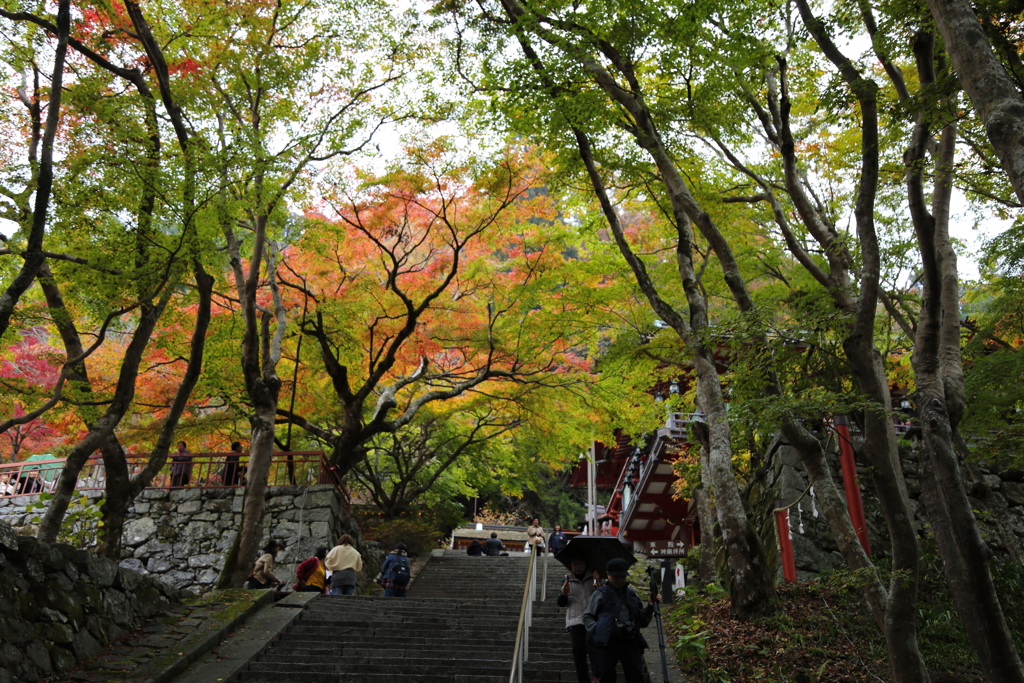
[
  {"x": 544, "y": 582},
  {"x": 533, "y": 574}
]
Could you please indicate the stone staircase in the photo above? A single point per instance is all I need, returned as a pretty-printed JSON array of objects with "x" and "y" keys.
[{"x": 457, "y": 625}]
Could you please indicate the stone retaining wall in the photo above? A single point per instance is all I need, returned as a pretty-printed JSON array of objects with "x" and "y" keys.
[
  {"x": 999, "y": 494},
  {"x": 59, "y": 605},
  {"x": 182, "y": 536}
]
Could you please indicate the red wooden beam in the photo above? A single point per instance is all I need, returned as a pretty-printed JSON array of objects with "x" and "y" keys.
[
  {"x": 850, "y": 483},
  {"x": 785, "y": 545}
]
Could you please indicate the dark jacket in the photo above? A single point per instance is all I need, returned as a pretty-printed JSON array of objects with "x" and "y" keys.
[
  {"x": 393, "y": 558},
  {"x": 475, "y": 549},
  {"x": 614, "y": 614},
  {"x": 493, "y": 547},
  {"x": 557, "y": 542}
]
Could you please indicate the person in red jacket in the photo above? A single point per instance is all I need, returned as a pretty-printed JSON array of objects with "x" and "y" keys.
[{"x": 311, "y": 574}]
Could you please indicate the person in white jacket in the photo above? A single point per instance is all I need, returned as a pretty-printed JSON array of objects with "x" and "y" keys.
[
  {"x": 345, "y": 563},
  {"x": 575, "y": 596}
]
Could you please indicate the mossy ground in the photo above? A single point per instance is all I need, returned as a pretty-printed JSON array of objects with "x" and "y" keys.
[{"x": 823, "y": 631}]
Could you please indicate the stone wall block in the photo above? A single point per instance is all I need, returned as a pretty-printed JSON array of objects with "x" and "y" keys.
[
  {"x": 39, "y": 656},
  {"x": 61, "y": 659},
  {"x": 316, "y": 515},
  {"x": 9, "y": 655},
  {"x": 236, "y": 506},
  {"x": 127, "y": 580},
  {"x": 34, "y": 570},
  {"x": 205, "y": 517},
  {"x": 188, "y": 507},
  {"x": 183, "y": 495},
  {"x": 281, "y": 503},
  {"x": 158, "y": 565},
  {"x": 321, "y": 533},
  {"x": 992, "y": 481},
  {"x": 1013, "y": 491},
  {"x": 117, "y": 608},
  {"x": 155, "y": 494},
  {"x": 84, "y": 645},
  {"x": 210, "y": 560},
  {"x": 134, "y": 565},
  {"x": 138, "y": 531},
  {"x": 208, "y": 577},
  {"x": 101, "y": 570},
  {"x": 60, "y": 633},
  {"x": 217, "y": 504},
  {"x": 198, "y": 530}
]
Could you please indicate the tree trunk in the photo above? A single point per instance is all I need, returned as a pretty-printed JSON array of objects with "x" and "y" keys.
[
  {"x": 998, "y": 103},
  {"x": 33, "y": 255},
  {"x": 103, "y": 428},
  {"x": 939, "y": 378},
  {"x": 750, "y": 587},
  {"x": 261, "y": 452}
]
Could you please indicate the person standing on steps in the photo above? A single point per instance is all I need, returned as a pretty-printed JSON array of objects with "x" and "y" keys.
[
  {"x": 345, "y": 563},
  {"x": 613, "y": 619},
  {"x": 535, "y": 535},
  {"x": 394, "y": 573},
  {"x": 557, "y": 541},
  {"x": 263, "y": 573},
  {"x": 577, "y": 588},
  {"x": 494, "y": 547}
]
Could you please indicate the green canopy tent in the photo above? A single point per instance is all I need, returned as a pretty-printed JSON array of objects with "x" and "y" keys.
[{"x": 48, "y": 471}]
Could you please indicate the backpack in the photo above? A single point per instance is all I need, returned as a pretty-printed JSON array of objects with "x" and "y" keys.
[{"x": 400, "y": 574}]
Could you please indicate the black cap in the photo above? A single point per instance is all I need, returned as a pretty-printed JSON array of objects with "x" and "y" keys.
[{"x": 618, "y": 567}]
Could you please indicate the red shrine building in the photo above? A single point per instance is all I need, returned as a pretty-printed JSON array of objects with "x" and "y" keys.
[{"x": 642, "y": 511}]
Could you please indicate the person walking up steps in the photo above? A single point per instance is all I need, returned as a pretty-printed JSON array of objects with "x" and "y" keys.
[
  {"x": 394, "y": 573},
  {"x": 613, "y": 619},
  {"x": 311, "y": 575},
  {"x": 345, "y": 563},
  {"x": 577, "y": 588}
]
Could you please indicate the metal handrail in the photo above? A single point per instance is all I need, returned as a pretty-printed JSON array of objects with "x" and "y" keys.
[
  {"x": 522, "y": 648},
  {"x": 205, "y": 470}
]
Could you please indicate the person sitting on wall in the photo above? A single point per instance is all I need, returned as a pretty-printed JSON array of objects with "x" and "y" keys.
[
  {"x": 475, "y": 549},
  {"x": 263, "y": 573},
  {"x": 311, "y": 574},
  {"x": 494, "y": 547}
]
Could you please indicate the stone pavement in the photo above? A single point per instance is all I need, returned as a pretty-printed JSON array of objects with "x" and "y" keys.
[{"x": 171, "y": 641}]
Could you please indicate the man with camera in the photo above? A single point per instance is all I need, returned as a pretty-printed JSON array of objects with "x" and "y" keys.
[{"x": 613, "y": 620}]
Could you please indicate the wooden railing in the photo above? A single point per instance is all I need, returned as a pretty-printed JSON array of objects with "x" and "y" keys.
[{"x": 191, "y": 470}]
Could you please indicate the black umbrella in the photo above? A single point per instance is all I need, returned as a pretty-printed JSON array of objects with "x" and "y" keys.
[{"x": 596, "y": 550}]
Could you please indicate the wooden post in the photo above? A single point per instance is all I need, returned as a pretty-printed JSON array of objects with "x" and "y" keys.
[
  {"x": 785, "y": 542},
  {"x": 850, "y": 482}
]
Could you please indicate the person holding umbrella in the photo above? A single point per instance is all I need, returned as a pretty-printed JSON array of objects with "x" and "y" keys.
[
  {"x": 577, "y": 588},
  {"x": 613, "y": 620}
]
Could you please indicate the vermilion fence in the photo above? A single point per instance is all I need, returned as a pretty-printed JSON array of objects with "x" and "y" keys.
[{"x": 191, "y": 470}]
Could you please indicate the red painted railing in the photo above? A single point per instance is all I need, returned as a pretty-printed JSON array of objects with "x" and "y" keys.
[{"x": 200, "y": 470}]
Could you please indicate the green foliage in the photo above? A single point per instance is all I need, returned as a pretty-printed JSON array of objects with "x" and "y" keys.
[
  {"x": 417, "y": 534},
  {"x": 83, "y": 522}
]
